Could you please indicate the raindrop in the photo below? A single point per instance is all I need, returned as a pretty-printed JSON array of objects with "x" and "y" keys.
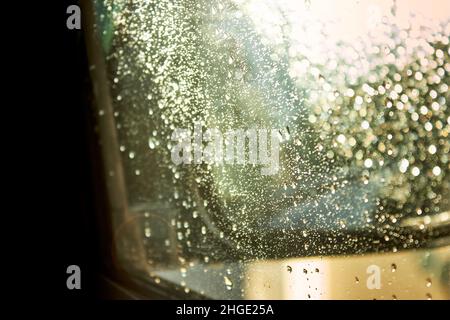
[
  {"x": 393, "y": 267},
  {"x": 368, "y": 163},
  {"x": 437, "y": 170},
  {"x": 404, "y": 163},
  {"x": 432, "y": 149},
  {"x": 341, "y": 139},
  {"x": 415, "y": 171},
  {"x": 151, "y": 143},
  {"x": 228, "y": 283}
]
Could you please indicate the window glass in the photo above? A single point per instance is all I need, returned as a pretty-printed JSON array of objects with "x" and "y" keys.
[{"x": 267, "y": 148}]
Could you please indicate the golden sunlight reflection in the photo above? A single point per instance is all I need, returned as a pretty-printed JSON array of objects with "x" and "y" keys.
[{"x": 403, "y": 275}]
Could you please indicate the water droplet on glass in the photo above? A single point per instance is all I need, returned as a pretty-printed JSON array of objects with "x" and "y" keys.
[
  {"x": 368, "y": 163},
  {"x": 415, "y": 171},
  {"x": 437, "y": 170},
  {"x": 393, "y": 267},
  {"x": 228, "y": 283},
  {"x": 151, "y": 143}
]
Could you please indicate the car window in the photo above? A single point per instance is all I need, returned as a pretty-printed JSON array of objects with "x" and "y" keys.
[{"x": 264, "y": 146}]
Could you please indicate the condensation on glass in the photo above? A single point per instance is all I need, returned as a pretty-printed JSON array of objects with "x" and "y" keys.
[{"x": 359, "y": 94}]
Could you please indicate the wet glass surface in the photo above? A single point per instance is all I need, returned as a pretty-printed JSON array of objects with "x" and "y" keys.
[{"x": 357, "y": 95}]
